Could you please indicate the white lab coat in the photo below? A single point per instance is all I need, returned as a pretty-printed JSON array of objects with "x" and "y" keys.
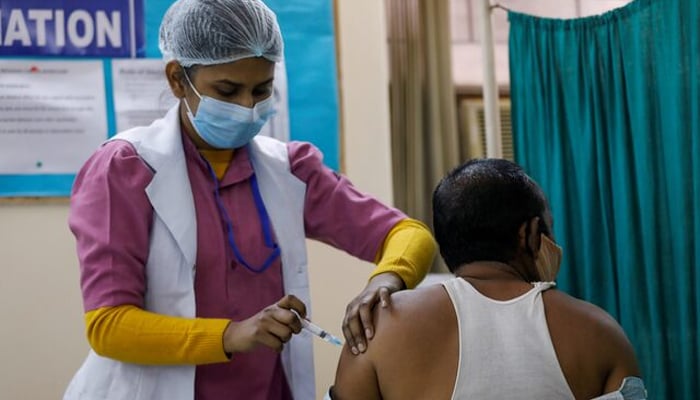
[{"x": 172, "y": 254}]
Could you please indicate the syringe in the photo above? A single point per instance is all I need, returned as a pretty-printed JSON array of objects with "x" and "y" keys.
[{"x": 318, "y": 331}]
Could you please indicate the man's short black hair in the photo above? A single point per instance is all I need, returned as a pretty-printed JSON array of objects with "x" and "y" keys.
[{"x": 479, "y": 207}]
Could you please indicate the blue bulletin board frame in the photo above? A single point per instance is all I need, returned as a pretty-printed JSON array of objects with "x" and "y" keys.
[{"x": 310, "y": 59}]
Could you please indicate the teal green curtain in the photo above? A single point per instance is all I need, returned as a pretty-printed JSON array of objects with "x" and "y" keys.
[{"x": 606, "y": 116}]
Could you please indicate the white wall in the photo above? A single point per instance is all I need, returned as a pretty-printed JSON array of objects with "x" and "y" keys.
[
  {"x": 467, "y": 68},
  {"x": 335, "y": 277},
  {"x": 41, "y": 328}
]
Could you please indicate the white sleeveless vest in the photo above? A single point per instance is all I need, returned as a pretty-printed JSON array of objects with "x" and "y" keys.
[
  {"x": 505, "y": 351},
  {"x": 172, "y": 255}
]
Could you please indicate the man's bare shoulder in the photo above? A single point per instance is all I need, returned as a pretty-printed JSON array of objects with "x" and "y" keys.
[
  {"x": 579, "y": 312},
  {"x": 409, "y": 305},
  {"x": 432, "y": 295},
  {"x": 414, "y": 316}
]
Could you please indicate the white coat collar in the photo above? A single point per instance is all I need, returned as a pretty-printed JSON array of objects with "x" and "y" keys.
[{"x": 170, "y": 192}]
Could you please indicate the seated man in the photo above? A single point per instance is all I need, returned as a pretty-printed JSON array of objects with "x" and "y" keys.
[{"x": 498, "y": 330}]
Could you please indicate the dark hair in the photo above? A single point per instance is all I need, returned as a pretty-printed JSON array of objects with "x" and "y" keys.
[{"x": 479, "y": 207}]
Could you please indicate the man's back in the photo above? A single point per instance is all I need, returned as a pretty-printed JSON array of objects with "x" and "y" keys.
[{"x": 415, "y": 353}]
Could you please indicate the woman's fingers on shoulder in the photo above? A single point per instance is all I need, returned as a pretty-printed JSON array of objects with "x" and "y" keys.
[
  {"x": 366, "y": 321},
  {"x": 353, "y": 335},
  {"x": 384, "y": 296}
]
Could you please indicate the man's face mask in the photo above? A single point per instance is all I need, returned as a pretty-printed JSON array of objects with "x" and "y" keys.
[{"x": 548, "y": 259}]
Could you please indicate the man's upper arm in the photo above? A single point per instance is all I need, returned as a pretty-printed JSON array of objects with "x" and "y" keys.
[
  {"x": 624, "y": 361},
  {"x": 356, "y": 378}
]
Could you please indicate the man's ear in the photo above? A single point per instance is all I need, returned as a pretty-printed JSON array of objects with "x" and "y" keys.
[
  {"x": 174, "y": 74},
  {"x": 532, "y": 236},
  {"x": 522, "y": 235}
]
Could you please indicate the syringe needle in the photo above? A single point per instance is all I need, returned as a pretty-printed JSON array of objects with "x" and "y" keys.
[{"x": 318, "y": 331}]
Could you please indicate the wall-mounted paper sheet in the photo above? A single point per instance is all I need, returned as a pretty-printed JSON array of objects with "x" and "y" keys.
[
  {"x": 141, "y": 92},
  {"x": 52, "y": 115}
]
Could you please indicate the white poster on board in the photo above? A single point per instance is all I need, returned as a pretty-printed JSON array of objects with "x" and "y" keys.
[
  {"x": 142, "y": 94},
  {"x": 53, "y": 115}
]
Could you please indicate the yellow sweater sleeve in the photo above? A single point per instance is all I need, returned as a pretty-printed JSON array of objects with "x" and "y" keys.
[
  {"x": 408, "y": 250},
  {"x": 130, "y": 334}
]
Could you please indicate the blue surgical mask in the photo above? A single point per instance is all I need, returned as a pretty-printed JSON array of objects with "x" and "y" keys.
[{"x": 226, "y": 125}]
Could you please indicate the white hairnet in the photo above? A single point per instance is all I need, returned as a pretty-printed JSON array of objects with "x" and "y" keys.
[{"x": 210, "y": 32}]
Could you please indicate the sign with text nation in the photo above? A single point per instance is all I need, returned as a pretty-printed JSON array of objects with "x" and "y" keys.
[{"x": 105, "y": 28}]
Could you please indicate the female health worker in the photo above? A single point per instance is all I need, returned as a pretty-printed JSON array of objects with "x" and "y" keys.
[{"x": 191, "y": 231}]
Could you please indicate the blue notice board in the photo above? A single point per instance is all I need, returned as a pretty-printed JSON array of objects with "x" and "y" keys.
[{"x": 75, "y": 30}]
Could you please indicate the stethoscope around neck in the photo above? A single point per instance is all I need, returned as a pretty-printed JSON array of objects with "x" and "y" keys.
[{"x": 264, "y": 221}]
